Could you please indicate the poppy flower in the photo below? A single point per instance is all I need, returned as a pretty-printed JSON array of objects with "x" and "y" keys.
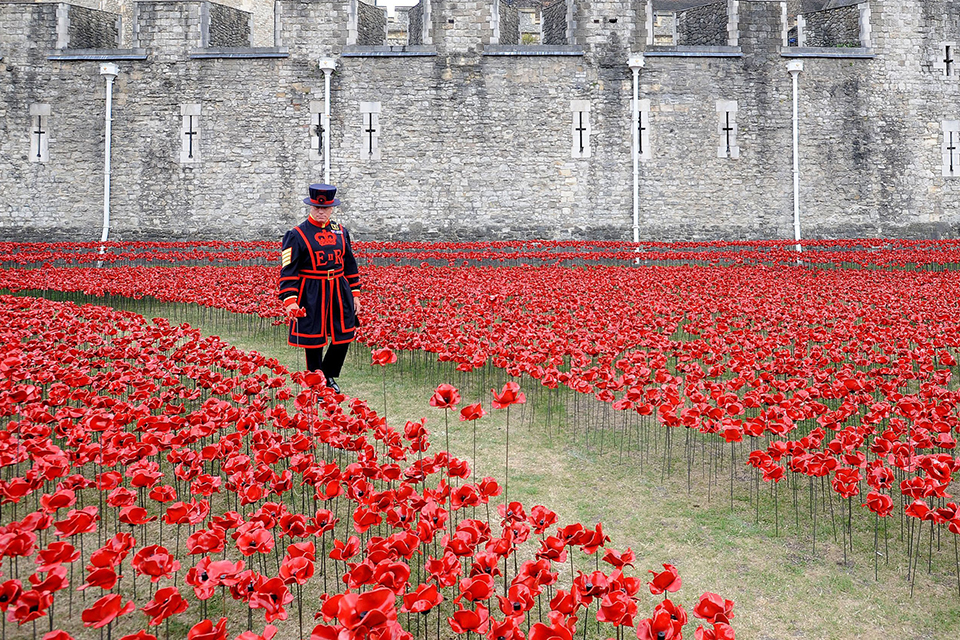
[
  {"x": 507, "y": 629},
  {"x": 166, "y": 602},
  {"x": 541, "y": 518},
  {"x": 713, "y": 608},
  {"x": 62, "y": 499},
  {"x": 424, "y": 598},
  {"x": 510, "y": 394},
  {"x": 383, "y": 357},
  {"x": 619, "y": 560},
  {"x": 479, "y": 587},
  {"x": 57, "y": 634},
  {"x": 155, "y": 561},
  {"x": 472, "y": 412},
  {"x": 666, "y": 580},
  {"x": 30, "y": 605},
  {"x": 879, "y": 503},
  {"x": 556, "y": 630},
  {"x": 139, "y": 635},
  {"x": 677, "y": 613},
  {"x": 255, "y": 540},
  {"x": 269, "y": 632},
  {"x": 57, "y": 552},
  {"x": 519, "y": 600},
  {"x": 660, "y": 626},
  {"x": 207, "y": 630},
  {"x": 77, "y": 521},
  {"x": 720, "y": 631},
  {"x": 104, "y": 578},
  {"x": 9, "y": 592},
  {"x": 272, "y": 596},
  {"x": 297, "y": 570},
  {"x": 134, "y": 515},
  {"x": 445, "y": 396},
  {"x": 345, "y": 551},
  {"x": 470, "y": 620},
  {"x": 105, "y": 610},
  {"x": 369, "y": 610}
]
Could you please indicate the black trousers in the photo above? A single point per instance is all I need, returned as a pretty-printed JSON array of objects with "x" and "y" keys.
[{"x": 330, "y": 362}]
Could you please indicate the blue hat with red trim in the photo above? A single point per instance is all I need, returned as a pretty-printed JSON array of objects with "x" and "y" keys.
[{"x": 322, "y": 195}]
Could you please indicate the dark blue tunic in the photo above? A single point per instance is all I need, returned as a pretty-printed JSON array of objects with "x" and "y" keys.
[{"x": 318, "y": 268}]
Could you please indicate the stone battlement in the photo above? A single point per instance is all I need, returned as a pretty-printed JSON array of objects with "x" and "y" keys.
[{"x": 484, "y": 118}]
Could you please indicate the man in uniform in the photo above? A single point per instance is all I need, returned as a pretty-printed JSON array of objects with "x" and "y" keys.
[{"x": 320, "y": 285}]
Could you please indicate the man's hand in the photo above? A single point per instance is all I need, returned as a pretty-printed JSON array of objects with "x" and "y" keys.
[
  {"x": 293, "y": 310},
  {"x": 356, "y": 305}
]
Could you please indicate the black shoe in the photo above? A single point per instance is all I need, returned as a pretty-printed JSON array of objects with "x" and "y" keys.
[{"x": 332, "y": 384}]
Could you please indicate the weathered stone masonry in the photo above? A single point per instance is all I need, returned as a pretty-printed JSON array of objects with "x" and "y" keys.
[{"x": 475, "y": 132}]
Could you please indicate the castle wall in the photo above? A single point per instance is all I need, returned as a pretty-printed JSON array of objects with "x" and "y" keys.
[{"x": 478, "y": 139}]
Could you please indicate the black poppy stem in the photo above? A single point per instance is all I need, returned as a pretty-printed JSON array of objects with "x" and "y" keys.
[
  {"x": 384, "y": 392},
  {"x": 876, "y": 547},
  {"x": 506, "y": 470},
  {"x": 446, "y": 427},
  {"x": 956, "y": 556},
  {"x": 300, "y": 607}
]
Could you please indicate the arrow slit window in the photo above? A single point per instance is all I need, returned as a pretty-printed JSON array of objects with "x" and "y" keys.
[
  {"x": 642, "y": 136},
  {"x": 946, "y": 62},
  {"x": 39, "y": 133},
  {"x": 580, "y": 128},
  {"x": 727, "y": 129},
  {"x": 951, "y": 148},
  {"x": 370, "y": 131},
  {"x": 319, "y": 128},
  {"x": 189, "y": 133}
]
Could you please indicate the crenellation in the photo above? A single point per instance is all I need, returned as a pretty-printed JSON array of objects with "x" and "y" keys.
[{"x": 478, "y": 132}]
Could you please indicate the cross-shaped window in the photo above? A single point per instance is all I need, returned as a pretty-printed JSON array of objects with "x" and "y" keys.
[
  {"x": 39, "y": 132},
  {"x": 642, "y": 130},
  {"x": 951, "y": 145},
  {"x": 727, "y": 128},
  {"x": 580, "y": 147},
  {"x": 190, "y": 133},
  {"x": 370, "y": 130},
  {"x": 945, "y": 60}
]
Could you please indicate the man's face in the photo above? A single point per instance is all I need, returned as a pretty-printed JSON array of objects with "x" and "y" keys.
[{"x": 321, "y": 214}]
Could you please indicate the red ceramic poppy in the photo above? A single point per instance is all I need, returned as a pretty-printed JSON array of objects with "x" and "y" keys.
[
  {"x": 424, "y": 598},
  {"x": 272, "y": 596},
  {"x": 207, "y": 630},
  {"x": 470, "y": 620},
  {"x": 445, "y": 397},
  {"x": 666, "y": 580},
  {"x": 105, "y": 610},
  {"x": 714, "y": 608},
  {"x": 155, "y": 561},
  {"x": 166, "y": 602},
  {"x": 472, "y": 412}
]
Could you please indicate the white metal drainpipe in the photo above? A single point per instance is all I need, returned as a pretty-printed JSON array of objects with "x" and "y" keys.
[
  {"x": 327, "y": 65},
  {"x": 109, "y": 71},
  {"x": 794, "y": 67},
  {"x": 636, "y": 62}
]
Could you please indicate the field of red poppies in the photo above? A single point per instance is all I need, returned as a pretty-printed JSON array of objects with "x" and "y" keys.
[{"x": 153, "y": 475}]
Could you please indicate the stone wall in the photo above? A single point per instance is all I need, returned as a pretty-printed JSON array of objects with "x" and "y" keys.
[
  {"x": 832, "y": 27},
  {"x": 509, "y": 22},
  {"x": 415, "y": 24},
  {"x": 704, "y": 26},
  {"x": 553, "y": 18},
  {"x": 92, "y": 29},
  {"x": 478, "y": 146},
  {"x": 229, "y": 27},
  {"x": 371, "y": 24}
]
